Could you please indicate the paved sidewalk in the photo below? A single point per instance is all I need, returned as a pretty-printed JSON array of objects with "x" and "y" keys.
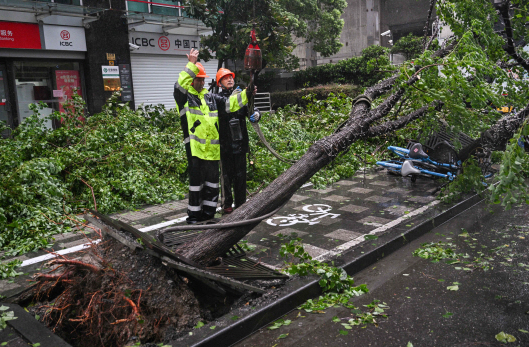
[
  {"x": 330, "y": 221},
  {"x": 433, "y": 303}
]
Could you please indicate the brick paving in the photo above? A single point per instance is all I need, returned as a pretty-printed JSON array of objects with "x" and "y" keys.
[{"x": 328, "y": 220}]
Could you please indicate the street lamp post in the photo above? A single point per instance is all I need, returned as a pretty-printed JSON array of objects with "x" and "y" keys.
[{"x": 390, "y": 35}]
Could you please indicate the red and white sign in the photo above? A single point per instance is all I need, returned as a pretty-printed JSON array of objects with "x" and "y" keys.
[
  {"x": 65, "y": 35},
  {"x": 19, "y": 35},
  {"x": 164, "y": 43},
  {"x": 63, "y": 38},
  {"x": 152, "y": 43},
  {"x": 67, "y": 81}
]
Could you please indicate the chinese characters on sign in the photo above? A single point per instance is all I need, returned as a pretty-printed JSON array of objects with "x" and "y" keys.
[
  {"x": 163, "y": 44},
  {"x": 111, "y": 81},
  {"x": 19, "y": 35},
  {"x": 126, "y": 82},
  {"x": 67, "y": 81}
]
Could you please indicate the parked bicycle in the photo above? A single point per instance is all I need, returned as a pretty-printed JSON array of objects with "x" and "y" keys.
[{"x": 415, "y": 162}]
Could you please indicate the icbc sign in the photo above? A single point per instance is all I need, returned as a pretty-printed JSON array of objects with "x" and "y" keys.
[
  {"x": 65, "y": 35},
  {"x": 64, "y": 38},
  {"x": 164, "y": 43}
]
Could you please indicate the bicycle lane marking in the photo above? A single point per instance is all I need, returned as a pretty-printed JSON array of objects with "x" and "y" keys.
[{"x": 345, "y": 246}]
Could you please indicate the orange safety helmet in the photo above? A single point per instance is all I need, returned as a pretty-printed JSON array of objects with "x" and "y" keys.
[
  {"x": 201, "y": 71},
  {"x": 223, "y": 72}
]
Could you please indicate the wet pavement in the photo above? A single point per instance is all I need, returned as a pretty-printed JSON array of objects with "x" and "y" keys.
[
  {"x": 434, "y": 303},
  {"x": 330, "y": 221}
]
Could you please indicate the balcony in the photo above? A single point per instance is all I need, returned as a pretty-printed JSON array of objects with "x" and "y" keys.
[
  {"x": 44, "y": 8},
  {"x": 168, "y": 14}
]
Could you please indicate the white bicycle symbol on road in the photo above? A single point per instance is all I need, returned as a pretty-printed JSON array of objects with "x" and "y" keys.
[{"x": 318, "y": 210}]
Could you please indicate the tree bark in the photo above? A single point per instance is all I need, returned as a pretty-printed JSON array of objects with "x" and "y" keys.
[{"x": 214, "y": 243}]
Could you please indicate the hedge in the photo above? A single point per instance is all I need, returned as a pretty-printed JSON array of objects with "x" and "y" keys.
[
  {"x": 365, "y": 70},
  {"x": 295, "y": 97}
]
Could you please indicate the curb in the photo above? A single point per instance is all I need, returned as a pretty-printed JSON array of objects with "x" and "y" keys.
[
  {"x": 352, "y": 262},
  {"x": 32, "y": 330}
]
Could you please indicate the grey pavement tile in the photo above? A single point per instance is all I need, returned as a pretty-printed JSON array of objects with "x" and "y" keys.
[
  {"x": 359, "y": 190},
  {"x": 336, "y": 198},
  {"x": 367, "y": 176},
  {"x": 120, "y": 218},
  {"x": 353, "y": 208},
  {"x": 313, "y": 251},
  {"x": 329, "y": 220},
  {"x": 398, "y": 210},
  {"x": 377, "y": 198},
  {"x": 154, "y": 210},
  {"x": 297, "y": 198},
  {"x": 422, "y": 199},
  {"x": 22, "y": 258},
  {"x": 289, "y": 232},
  {"x": 176, "y": 216},
  {"x": 5, "y": 286},
  {"x": 430, "y": 191},
  {"x": 322, "y": 191},
  {"x": 132, "y": 216},
  {"x": 61, "y": 237},
  {"x": 346, "y": 183},
  {"x": 373, "y": 220},
  {"x": 343, "y": 234},
  {"x": 381, "y": 183},
  {"x": 313, "y": 209},
  {"x": 175, "y": 205},
  {"x": 399, "y": 190},
  {"x": 73, "y": 243}
]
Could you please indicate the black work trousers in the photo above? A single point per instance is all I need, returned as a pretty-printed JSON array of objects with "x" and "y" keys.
[
  {"x": 233, "y": 175},
  {"x": 203, "y": 188}
]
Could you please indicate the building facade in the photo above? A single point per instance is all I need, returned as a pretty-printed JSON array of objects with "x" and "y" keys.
[
  {"x": 364, "y": 22},
  {"x": 50, "y": 49}
]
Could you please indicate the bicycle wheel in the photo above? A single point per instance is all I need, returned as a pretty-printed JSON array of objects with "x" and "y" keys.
[
  {"x": 282, "y": 221},
  {"x": 317, "y": 208}
]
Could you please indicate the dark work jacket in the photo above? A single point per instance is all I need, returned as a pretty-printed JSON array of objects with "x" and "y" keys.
[{"x": 227, "y": 146}]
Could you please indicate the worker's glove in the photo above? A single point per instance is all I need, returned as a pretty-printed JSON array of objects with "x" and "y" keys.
[{"x": 254, "y": 118}]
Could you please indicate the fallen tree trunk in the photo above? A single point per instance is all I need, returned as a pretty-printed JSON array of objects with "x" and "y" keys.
[{"x": 214, "y": 243}]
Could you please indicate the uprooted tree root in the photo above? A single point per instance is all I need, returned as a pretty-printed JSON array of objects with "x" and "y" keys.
[{"x": 112, "y": 296}]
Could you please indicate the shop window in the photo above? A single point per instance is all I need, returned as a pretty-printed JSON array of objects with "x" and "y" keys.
[
  {"x": 135, "y": 6},
  {"x": 65, "y": 2},
  {"x": 163, "y": 7},
  {"x": 169, "y": 10},
  {"x": 45, "y": 81}
]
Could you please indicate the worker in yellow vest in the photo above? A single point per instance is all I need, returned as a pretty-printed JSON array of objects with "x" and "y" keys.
[{"x": 199, "y": 120}]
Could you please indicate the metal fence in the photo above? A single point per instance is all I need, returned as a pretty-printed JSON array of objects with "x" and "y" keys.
[{"x": 262, "y": 102}]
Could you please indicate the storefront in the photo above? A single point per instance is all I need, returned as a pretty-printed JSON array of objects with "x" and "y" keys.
[
  {"x": 156, "y": 61},
  {"x": 39, "y": 63}
]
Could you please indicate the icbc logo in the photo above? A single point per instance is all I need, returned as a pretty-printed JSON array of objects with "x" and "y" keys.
[
  {"x": 65, "y": 35},
  {"x": 164, "y": 43}
]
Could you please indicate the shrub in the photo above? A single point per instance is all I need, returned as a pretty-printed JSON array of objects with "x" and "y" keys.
[
  {"x": 298, "y": 97},
  {"x": 372, "y": 66}
]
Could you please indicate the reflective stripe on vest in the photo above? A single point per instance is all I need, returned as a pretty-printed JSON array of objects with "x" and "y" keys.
[
  {"x": 212, "y": 185},
  {"x": 209, "y": 203},
  {"x": 190, "y": 72},
  {"x": 195, "y": 188},
  {"x": 194, "y": 208},
  {"x": 236, "y": 101}
]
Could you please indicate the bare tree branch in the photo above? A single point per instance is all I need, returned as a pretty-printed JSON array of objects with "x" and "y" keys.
[
  {"x": 427, "y": 25},
  {"x": 510, "y": 48}
]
